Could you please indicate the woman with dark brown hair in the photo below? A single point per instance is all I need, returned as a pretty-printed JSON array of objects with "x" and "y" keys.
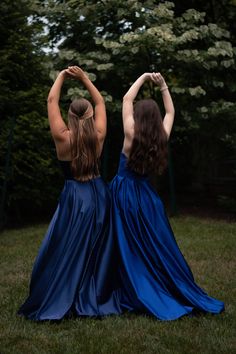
[
  {"x": 155, "y": 276},
  {"x": 75, "y": 271}
]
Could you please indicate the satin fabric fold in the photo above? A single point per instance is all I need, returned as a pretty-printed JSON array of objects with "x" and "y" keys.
[
  {"x": 156, "y": 278},
  {"x": 75, "y": 271}
]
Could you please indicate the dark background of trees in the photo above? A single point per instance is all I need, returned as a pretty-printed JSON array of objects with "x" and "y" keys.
[{"x": 191, "y": 42}]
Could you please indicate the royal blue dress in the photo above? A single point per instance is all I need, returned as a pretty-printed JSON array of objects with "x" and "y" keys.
[
  {"x": 75, "y": 272},
  {"x": 156, "y": 279}
]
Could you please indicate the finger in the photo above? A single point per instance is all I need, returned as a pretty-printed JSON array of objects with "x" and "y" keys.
[
  {"x": 153, "y": 76},
  {"x": 156, "y": 78}
]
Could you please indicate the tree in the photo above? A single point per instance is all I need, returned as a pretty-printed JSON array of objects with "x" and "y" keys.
[
  {"x": 118, "y": 40},
  {"x": 23, "y": 91},
  {"x": 115, "y": 41}
]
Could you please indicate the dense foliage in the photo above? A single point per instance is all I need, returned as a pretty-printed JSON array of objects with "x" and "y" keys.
[
  {"x": 193, "y": 48},
  {"x": 192, "y": 43},
  {"x": 26, "y": 152}
]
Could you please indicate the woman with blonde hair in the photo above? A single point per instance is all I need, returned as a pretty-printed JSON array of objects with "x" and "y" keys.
[
  {"x": 75, "y": 270},
  {"x": 156, "y": 279}
]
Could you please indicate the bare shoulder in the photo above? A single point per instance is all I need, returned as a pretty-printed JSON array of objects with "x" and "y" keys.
[{"x": 63, "y": 146}]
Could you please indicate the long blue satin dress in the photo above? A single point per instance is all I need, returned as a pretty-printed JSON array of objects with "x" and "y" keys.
[
  {"x": 75, "y": 271},
  {"x": 156, "y": 279}
]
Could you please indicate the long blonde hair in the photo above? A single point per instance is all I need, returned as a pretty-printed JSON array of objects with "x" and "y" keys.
[{"x": 84, "y": 142}]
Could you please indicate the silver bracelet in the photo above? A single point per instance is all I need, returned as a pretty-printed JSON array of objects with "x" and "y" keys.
[{"x": 164, "y": 88}]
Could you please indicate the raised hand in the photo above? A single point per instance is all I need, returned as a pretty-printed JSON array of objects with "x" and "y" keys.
[
  {"x": 76, "y": 72},
  {"x": 159, "y": 80}
]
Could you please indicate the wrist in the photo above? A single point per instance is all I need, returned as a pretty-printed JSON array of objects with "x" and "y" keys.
[
  {"x": 146, "y": 76},
  {"x": 62, "y": 74},
  {"x": 163, "y": 87},
  {"x": 83, "y": 78}
]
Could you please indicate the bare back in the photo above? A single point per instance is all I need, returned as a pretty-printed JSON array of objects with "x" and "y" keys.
[{"x": 64, "y": 148}]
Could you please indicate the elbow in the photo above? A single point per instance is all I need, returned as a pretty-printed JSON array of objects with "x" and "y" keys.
[
  {"x": 99, "y": 101},
  {"x": 171, "y": 112},
  {"x": 102, "y": 101},
  {"x": 126, "y": 97},
  {"x": 50, "y": 99}
]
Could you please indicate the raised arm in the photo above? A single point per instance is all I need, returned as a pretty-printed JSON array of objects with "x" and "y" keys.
[
  {"x": 58, "y": 127},
  {"x": 168, "y": 103},
  {"x": 127, "y": 107},
  {"x": 100, "y": 109}
]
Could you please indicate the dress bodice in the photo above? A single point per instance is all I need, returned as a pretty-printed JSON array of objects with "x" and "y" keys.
[
  {"x": 66, "y": 169},
  {"x": 124, "y": 171}
]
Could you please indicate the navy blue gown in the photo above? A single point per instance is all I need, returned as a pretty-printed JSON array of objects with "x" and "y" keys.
[
  {"x": 75, "y": 270},
  {"x": 156, "y": 279}
]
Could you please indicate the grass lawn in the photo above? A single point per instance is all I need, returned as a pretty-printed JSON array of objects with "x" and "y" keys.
[{"x": 209, "y": 247}]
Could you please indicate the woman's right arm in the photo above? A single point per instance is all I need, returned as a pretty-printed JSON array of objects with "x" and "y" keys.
[
  {"x": 100, "y": 108},
  {"x": 127, "y": 107},
  {"x": 58, "y": 127}
]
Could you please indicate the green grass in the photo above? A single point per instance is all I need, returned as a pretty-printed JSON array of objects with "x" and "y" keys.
[{"x": 209, "y": 248}]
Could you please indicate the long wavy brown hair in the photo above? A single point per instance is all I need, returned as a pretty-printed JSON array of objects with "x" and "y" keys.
[
  {"x": 84, "y": 141},
  {"x": 149, "y": 147}
]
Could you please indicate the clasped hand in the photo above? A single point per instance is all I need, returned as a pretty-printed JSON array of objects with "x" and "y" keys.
[
  {"x": 74, "y": 72},
  {"x": 157, "y": 78}
]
